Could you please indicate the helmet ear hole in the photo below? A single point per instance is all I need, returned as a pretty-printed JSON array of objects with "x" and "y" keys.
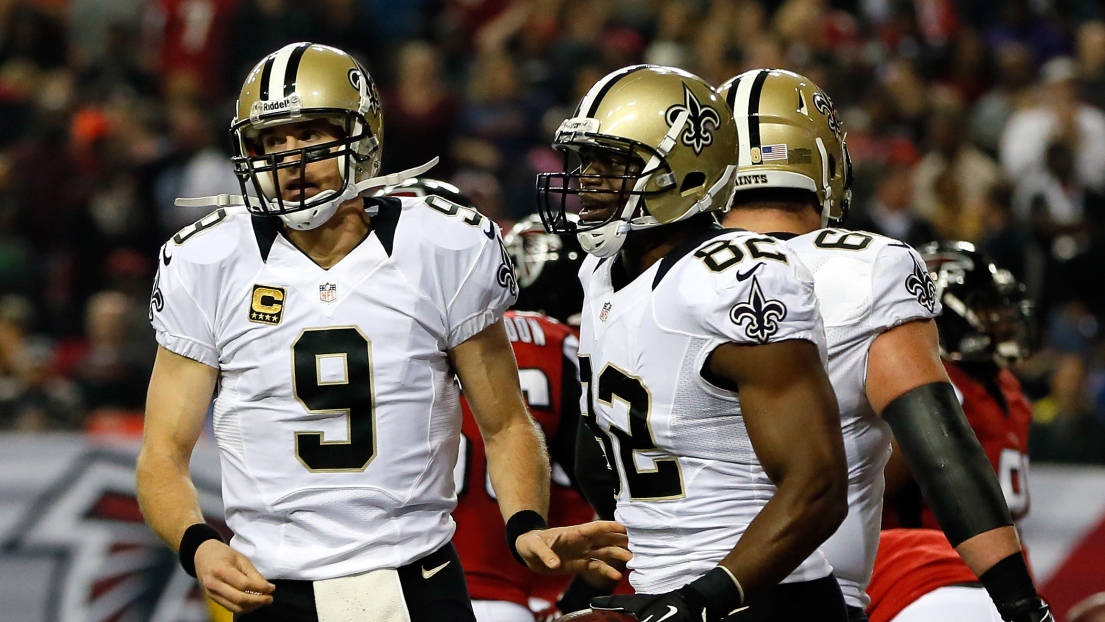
[
  {"x": 832, "y": 166},
  {"x": 692, "y": 180}
]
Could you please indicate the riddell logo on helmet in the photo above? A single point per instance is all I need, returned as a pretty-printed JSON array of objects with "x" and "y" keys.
[{"x": 288, "y": 104}]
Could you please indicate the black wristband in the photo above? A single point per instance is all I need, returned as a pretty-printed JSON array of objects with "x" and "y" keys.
[
  {"x": 577, "y": 596},
  {"x": 521, "y": 522},
  {"x": 720, "y": 592},
  {"x": 193, "y": 537},
  {"x": 1010, "y": 586}
]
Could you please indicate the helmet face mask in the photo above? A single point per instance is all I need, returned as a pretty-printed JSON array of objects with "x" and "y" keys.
[
  {"x": 670, "y": 136},
  {"x": 986, "y": 315},
  {"x": 260, "y": 170},
  {"x": 547, "y": 266},
  {"x": 601, "y": 173}
]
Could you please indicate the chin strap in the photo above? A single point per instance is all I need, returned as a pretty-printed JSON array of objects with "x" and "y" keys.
[{"x": 353, "y": 190}]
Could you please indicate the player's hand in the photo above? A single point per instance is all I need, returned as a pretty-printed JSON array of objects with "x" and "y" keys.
[
  {"x": 592, "y": 548},
  {"x": 228, "y": 578},
  {"x": 669, "y": 607}
]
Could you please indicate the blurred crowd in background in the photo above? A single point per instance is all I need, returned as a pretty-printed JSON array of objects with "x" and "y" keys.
[{"x": 978, "y": 120}]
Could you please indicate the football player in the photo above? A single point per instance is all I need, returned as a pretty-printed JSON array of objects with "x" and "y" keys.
[
  {"x": 541, "y": 329},
  {"x": 701, "y": 361},
  {"x": 878, "y": 303},
  {"x": 985, "y": 325},
  {"x": 331, "y": 326}
]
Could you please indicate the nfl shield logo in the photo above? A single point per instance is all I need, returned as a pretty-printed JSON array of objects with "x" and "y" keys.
[
  {"x": 328, "y": 292},
  {"x": 605, "y": 313}
]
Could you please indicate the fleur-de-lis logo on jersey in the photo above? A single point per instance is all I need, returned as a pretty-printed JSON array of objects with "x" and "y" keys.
[
  {"x": 763, "y": 316},
  {"x": 506, "y": 277},
  {"x": 700, "y": 125},
  {"x": 921, "y": 286}
]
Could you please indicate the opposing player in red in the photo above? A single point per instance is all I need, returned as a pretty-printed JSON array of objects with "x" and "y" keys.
[
  {"x": 546, "y": 347},
  {"x": 984, "y": 328},
  {"x": 545, "y": 343}
]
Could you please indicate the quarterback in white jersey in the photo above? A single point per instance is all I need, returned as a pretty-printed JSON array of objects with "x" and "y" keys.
[
  {"x": 701, "y": 354},
  {"x": 335, "y": 328},
  {"x": 878, "y": 303},
  {"x": 325, "y": 372}
]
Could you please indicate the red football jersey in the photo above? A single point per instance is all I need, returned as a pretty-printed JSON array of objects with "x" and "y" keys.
[
  {"x": 189, "y": 36},
  {"x": 1003, "y": 434},
  {"x": 911, "y": 563},
  {"x": 548, "y": 370}
]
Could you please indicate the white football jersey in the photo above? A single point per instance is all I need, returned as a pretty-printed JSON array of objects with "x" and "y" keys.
[
  {"x": 337, "y": 414},
  {"x": 866, "y": 284},
  {"x": 690, "y": 480}
]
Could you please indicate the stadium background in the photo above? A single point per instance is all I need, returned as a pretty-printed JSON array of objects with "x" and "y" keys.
[{"x": 979, "y": 120}]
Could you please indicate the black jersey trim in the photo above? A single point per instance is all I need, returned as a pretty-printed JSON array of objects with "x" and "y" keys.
[
  {"x": 386, "y": 220},
  {"x": 681, "y": 251},
  {"x": 265, "y": 229}
]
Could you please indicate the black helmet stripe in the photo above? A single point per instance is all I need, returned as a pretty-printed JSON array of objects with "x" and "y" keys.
[
  {"x": 293, "y": 68},
  {"x": 744, "y": 99},
  {"x": 278, "y": 76},
  {"x": 266, "y": 73},
  {"x": 753, "y": 111},
  {"x": 593, "y": 105}
]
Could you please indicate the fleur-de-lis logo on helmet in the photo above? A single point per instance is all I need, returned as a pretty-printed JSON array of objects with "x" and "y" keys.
[
  {"x": 920, "y": 285},
  {"x": 825, "y": 106},
  {"x": 763, "y": 316},
  {"x": 700, "y": 125}
]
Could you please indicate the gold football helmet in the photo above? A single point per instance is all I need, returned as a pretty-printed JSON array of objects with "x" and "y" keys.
[
  {"x": 790, "y": 137},
  {"x": 667, "y": 121},
  {"x": 298, "y": 82}
]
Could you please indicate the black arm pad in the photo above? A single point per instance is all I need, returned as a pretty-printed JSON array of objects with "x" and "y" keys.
[
  {"x": 947, "y": 461},
  {"x": 596, "y": 480}
]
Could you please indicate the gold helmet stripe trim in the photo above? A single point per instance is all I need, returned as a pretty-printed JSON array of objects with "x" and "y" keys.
[
  {"x": 293, "y": 68},
  {"x": 591, "y": 101},
  {"x": 754, "y": 111}
]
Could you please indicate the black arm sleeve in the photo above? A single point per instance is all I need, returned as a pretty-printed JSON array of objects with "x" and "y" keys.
[
  {"x": 563, "y": 448},
  {"x": 947, "y": 461},
  {"x": 597, "y": 481}
]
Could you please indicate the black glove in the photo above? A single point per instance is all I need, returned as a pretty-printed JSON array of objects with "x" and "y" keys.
[
  {"x": 710, "y": 598},
  {"x": 1036, "y": 611},
  {"x": 677, "y": 606}
]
